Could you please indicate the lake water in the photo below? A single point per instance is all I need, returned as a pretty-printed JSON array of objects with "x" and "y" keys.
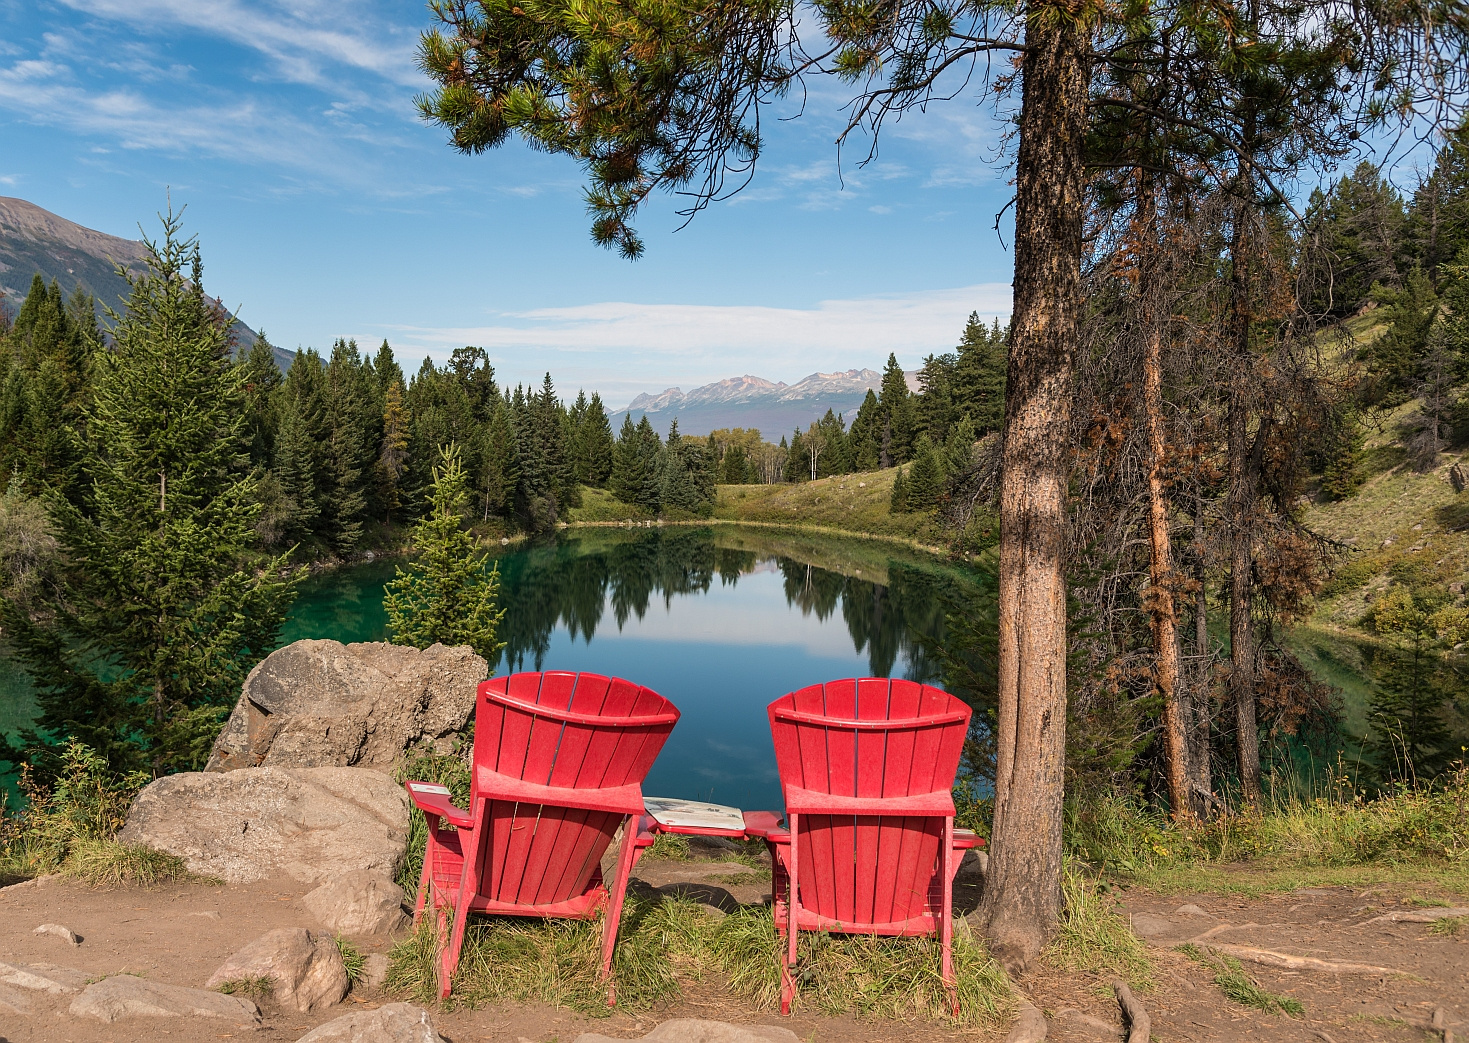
[{"x": 721, "y": 620}]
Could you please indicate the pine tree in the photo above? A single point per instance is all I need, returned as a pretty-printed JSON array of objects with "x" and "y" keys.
[
  {"x": 1357, "y": 232},
  {"x": 349, "y": 450},
  {"x": 1438, "y": 221},
  {"x": 835, "y": 456},
  {"x": 797, "y": 466},
  {"x": 1394, "y": 357},
  {"x": 262, "y": 378},
  {"x": 979, "y": 375},
  {"x": 1344, "y": 471},
  {"x": 863, "y": 439},
  {"x": 627, "y": 478},
  {"x": 43, "y": 394},
  {"x": 499, "y": 470},
  {"x": 686, "y": 481},
  {"x": 650, "y": 447},
  {"x": 925, "y": 477},
  {"x": 597, "y": 442},
  {"x": 898, "y": 504},
  {"x": 735, "y": 467},
  {"x": 160, "y": 613},
  {"x": 392, "y": 459},
  {"x": 895, "y": 440},
  {"x": 935, "y": 407},
  {"x": 1410, "y": 738},
  {"x": 447, "y": 595}
]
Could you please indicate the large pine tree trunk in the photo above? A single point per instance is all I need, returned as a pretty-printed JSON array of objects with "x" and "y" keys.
[
  {"x": 1199, "y": 766},
  {"x": 1241, "y": 517},
  {"x": 1022, "y": 894},
  {"x": 1161, "y": 603}
]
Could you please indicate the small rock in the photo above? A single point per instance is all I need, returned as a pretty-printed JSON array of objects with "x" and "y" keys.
[
  {"x": 392, "y": 1023},
  {"x": 307, "y": 968},
  {"x": 1456, "y": 588},
  {"x": 1189, "y": 910},
  {"x": 358, "y": 903},
  {"x": 1095, "y": 1026},
  {"x": 41, "y": 977},
  {"x": 504, "y": 541},
  {"x": 1387, "y": 543},
  {"x": 862, "y": 485},
  {"x": 208, "y": 914},
  {"x": 697, "y": 1030},
  {"x": 56, "y": 930},
  {"x": 374, "y": 971},
  {"x": 1146, "y": 925},
  {"x": 1418, "y": 527},
  {"x": 128, "y": 997}
]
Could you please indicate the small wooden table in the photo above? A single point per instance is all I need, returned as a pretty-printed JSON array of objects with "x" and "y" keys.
[{"x": 692, "y": 818}]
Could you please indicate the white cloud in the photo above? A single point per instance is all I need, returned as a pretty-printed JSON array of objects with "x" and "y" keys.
[
  {"x": 299, "y": 37},
  {"x": 623, "y": 348}
]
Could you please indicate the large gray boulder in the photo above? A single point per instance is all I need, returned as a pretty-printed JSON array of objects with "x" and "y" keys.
[
  {"x": 305, "y": 969},
  {"x": 358, "y": 903},
  {"x": 391, "y": 1023},
  {"x": 128, "y": 997},
  {"x": 319, "y": 704},
  {"x": 310, "y": 824}
]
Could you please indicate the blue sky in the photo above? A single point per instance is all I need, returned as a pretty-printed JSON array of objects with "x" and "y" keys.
[{"x": 326, "y": 208}]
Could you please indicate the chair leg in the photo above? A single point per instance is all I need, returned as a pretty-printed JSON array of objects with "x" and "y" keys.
[
  {"x": 793, "y": 929},
  {"x": 946, "y": 916},
  {"x": 626, "y": 855},
  {"x": 425, "y": 879},
  {"x": 442, "y": 929}
]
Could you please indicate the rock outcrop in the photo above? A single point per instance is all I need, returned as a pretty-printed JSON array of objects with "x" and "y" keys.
[
  {"x": 125, "y": 996},
  {"x": 358, "y": 903},
  {"x": 311, "y": 824},
  {"x": 305, "y": 969},
  {"x": 392, "y": 1023},
  {"x": 325, "y": 704}
]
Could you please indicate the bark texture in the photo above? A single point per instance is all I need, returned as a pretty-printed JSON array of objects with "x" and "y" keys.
[
  {"x": 1241, "y": 514},
  {"x": 1022, "y": 895},
  {"x": 1199, "y": 766}
]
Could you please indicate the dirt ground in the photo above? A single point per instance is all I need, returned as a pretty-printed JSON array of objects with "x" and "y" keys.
[{"x": 181, "y": 933}]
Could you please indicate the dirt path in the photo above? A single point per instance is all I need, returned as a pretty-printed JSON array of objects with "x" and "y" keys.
[{"x": 180, "y": 934}]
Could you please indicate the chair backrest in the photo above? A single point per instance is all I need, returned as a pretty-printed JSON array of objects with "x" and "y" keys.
[
  {"x": 872, "y": 738},
  {"x": 573, "y": 731}
]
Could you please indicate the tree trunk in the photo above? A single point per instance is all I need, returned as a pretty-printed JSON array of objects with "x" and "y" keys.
[
  {"x": 1199, "y": 758},
  {"x": 1022, "y": 895},
  {"x": 1161, "y": 580},
  {"x": 1241, "y": 511}
]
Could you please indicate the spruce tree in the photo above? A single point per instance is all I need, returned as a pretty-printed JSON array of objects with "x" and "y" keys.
[
  {"x": 349, "y": 450},
  {"x": 596, "y": 443},
  {"x": 294, "y": 471},
  {"x": 627, "y": 478},
  {"x": 1415, "y": 683},
  {"x": 895, "y": 440},
  {"x": 797, "y": 466},
  {"x": 898, "y": 504},
  {"x": 935, "y": 406},
  {"x": 735, "y": 467},
  {"x": 262, "y": 379},
  {"x": 864, "y": 437},
  {"x": 447, "y": 594},
  {"x": 925, "y": 481},
  {"x": 979, "y": 375},
  {"x": 1393, "y": 358},
  {"x": 499, "y": 470},
  {"x": 835, "y": 455},
  {"x": 160, "y": 612},
  {"x": 392, "y": 459},
  {"x": 686, "y": 481}
]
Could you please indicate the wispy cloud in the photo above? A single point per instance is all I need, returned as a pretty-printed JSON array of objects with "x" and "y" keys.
[
  {"x": 301, "y": 38},
  {"x": 624, "y": 348}
]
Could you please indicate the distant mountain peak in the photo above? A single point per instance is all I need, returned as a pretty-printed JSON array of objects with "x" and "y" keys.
[{"x": 773, "y": 406}]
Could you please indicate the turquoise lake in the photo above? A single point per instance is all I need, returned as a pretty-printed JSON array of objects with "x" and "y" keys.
[{"x": 721, "y": 620}]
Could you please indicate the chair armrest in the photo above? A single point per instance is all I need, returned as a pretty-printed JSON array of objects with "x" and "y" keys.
[
  {"x": 767, "y": 825},
  {"x": 647, "y": 831},
  {"x": 433, "y": 799},
  {"x": 964, "y": 839}
]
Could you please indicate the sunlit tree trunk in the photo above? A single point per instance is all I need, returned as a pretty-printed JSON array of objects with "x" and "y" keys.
[{"x": 1022, "y": 894}]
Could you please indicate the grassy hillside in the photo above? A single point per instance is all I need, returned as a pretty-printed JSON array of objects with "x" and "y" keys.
[
  {"x": 1401, "y": 523},
  {"x": 849, "y": 503}
]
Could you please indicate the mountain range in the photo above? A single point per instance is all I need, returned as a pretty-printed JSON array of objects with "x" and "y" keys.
[
  {"x": 35, "y": 240},
  {"x": 773, "y": 406}
]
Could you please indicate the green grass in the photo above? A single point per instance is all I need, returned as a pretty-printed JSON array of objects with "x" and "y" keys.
[
  {"x": 1449, "y": 926},
  {"x": 353, "y": 959},
  {"x": 106, "y": 863},
  {"x": 255, "y": 987},
  {"x": 669, "y": 846},
  {"x": 600, "y": 506},
  {"x": 1093, "y": 936},
  {"x": 856, "y": 503},
  {"x": 1415, "y": 836},
  {"x": 1232, "y": 980},
  {"x": 665, "y": 942}
]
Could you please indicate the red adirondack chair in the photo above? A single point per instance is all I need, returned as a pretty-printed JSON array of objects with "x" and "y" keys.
[
  {"x": 867, "y": 769},
  {"x": 559, "y": 760}
]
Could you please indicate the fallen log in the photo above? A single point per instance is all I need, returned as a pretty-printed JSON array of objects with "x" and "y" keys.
[
  {"x": 1139, "y": 1025},
  {"x": 1285, "y": 961},
  {"x": 1030, "y": 1024}
]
